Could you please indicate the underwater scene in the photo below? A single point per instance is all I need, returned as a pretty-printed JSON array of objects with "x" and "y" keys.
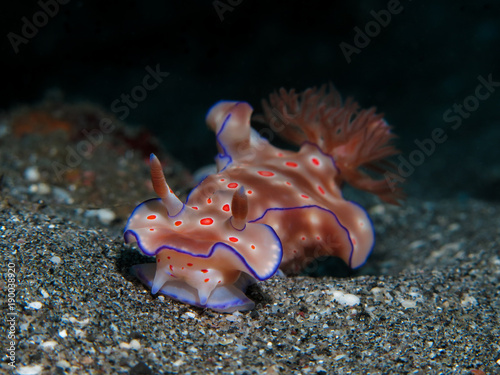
[{"x": 249, "y": 187}]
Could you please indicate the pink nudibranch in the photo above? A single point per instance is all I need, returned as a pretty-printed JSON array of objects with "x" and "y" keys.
[{"x": 266, "y": 208}]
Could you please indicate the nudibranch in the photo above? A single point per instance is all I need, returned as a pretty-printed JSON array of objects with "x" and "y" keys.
[{"x": 266, "y": 208}]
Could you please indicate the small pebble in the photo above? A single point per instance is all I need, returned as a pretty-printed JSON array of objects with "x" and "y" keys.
[
  {"x": 407, "y": 303},
  {"x": 55, "y": 259},
  {"x": 61, "y": 195},
  {"x": 63, "y": 364},
  {"x": 345, "y": 299},
  {"x": 32, "y": 174},
  {"x": 35, "y": 305},
  {"x": 468, "y": 301},
  {"x": 40, "y": 188},
  {"x": 377, "y": 210},
  {"x": 105, "y": 215},
  {"x": 135, "y": 344},
  {"x": 48, "y": 344},
  {"x": 232, "y": 318},
  {"x": 30, "y": 370},
  {"x": 124, "y": 345},
  {"x": 82, "y": 322}
]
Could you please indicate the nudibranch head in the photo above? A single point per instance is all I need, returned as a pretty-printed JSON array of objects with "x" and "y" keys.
[{"x": 201, "y": 254}]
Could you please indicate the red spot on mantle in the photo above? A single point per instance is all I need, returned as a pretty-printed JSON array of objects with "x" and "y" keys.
[
  {"x": 233, "y": 239},
  {"x": 291, "y": 164},
  {"x": 151, "y": 217},
  {"x": 225, "y": 208},
  {"x": 232, "y": 185},
  {"x": 207, "y": 221},
  {"x": 266, "y": 173}
]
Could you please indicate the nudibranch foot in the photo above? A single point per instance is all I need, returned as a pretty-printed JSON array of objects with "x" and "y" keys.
[{"x": 225, "y": 298}]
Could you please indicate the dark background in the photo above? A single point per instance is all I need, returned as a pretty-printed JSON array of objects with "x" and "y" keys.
[{"x": 427, "y": 58}]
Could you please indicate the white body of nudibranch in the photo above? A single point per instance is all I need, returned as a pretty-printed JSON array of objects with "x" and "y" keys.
[{"x": 265, "y": 208}]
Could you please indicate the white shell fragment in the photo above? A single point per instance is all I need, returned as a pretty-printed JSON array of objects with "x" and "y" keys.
[
  {"x": 345, "y": 299},
  {"x": 105, "y": 215},
  {"x": 35, "y": 305}
]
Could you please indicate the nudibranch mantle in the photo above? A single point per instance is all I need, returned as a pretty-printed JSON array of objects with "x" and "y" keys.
[{"x": 266, "y": 208}]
